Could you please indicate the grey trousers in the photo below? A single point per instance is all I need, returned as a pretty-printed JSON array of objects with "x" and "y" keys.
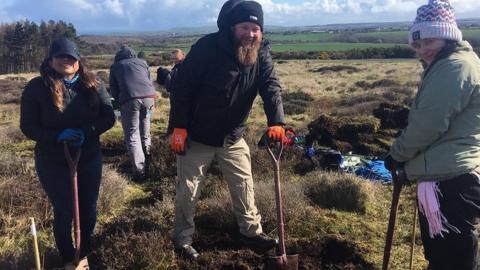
[
  {"x": 136, "y": 117},
  {"x": 235, "y": 164}
]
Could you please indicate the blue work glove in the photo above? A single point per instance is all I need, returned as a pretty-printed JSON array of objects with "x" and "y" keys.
[
  {"x": 74, "y": 136},
  {"x": 310, "y": 152}
]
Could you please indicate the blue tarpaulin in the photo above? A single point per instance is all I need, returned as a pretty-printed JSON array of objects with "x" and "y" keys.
[{"x": 374, "y": 170}]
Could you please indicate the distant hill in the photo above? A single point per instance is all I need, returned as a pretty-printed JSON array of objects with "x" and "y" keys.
[{"x": 194, "y": 31}]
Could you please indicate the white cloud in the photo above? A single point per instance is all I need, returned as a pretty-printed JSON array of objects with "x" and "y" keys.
[
  {"x": 114, "y": 6},
  {"x": 395, "y": 6},
  {"x": 466, "y": 5},
  {"x": 80, "y": 4},
  {"x": 163, "y": 14}
]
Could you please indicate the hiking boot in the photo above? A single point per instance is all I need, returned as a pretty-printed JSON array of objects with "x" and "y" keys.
[
  {"x": 187, "y": 251},
  {"x": 139, "y": 177},
  {"x": 82, "y": 265},
  {"x": 146, "y": 169},
  {"x": 260, "y": 242}
]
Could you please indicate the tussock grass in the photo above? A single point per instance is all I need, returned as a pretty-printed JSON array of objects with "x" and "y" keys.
[
  {"x": 137, "y": 239},
  {"x": 163, "y": 160},
  {"x": 113, "y": 192},
  {"x": 337, "y": 191},
  {"x": 9, "y": 113},
  {"x": 296, "y": 102},
  {"x": 21, "y": 197},
  {"x": 12, "y": 88}
]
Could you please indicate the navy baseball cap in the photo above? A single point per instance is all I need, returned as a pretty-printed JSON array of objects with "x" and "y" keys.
[{"x": 64, "y": 46}]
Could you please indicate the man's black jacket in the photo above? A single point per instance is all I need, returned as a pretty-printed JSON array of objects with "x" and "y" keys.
[{"x": 213, "y": 93}]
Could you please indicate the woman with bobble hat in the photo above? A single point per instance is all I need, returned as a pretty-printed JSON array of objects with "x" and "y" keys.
[
  {"x": 440, "y": 147},
  {"x": 67, "y": 103}
]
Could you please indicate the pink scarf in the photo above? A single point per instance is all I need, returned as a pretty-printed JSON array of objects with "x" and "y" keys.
[{"x": 429, "y": 206}]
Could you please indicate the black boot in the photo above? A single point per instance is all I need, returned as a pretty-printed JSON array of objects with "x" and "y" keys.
[{"x": 260, "y": 242}]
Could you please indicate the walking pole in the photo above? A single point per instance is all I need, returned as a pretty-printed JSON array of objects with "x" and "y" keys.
[
  {"x": 33, "y": 230},
  {"x": 72, "y": 164},
  {"x": 412, "y": 245},
  {"x": 397, "y": 188}
]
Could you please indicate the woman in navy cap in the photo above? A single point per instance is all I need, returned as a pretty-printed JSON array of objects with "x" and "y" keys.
[{"x": 67, "y": 103}]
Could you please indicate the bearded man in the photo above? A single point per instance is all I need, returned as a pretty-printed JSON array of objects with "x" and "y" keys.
[{"x": 212, "y": 96}]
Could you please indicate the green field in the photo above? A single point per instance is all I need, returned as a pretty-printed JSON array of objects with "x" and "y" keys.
[
  {"x": 313, "y": 41},
  {"x": 297, "y": 47},
  {"x": 472, "y": 34},
  {"x": 300, "y": 37},
  {"x": 329, "y": 46},
  {"x": 359, "y": 38}
]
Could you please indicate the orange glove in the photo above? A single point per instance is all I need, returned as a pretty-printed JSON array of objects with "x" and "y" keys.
[
  {"x": 179, "y": 137},
  {"x": 276, "y": 133}
]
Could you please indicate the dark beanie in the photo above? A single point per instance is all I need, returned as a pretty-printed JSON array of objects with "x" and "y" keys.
[{"x": 246, "y": 11}]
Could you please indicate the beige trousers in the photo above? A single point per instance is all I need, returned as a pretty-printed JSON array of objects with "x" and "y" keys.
[{"x": 235, "y": 164}]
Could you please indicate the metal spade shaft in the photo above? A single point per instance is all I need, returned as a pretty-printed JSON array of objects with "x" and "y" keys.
[{"x": 72, "y": 164}]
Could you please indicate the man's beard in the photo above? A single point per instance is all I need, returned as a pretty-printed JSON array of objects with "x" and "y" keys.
[{"x": 247, "y": 55}]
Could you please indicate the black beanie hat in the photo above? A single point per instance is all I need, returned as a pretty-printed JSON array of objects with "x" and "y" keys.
[{"x": 244, "y": 11}]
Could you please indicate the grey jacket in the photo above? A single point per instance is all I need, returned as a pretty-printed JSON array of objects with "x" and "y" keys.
[
  {"x": 129, "y": 77},
  {"x": 442, "y": 139}
]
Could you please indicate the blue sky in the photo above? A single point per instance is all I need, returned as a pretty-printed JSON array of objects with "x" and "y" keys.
[{"x": 151, "y": 15}]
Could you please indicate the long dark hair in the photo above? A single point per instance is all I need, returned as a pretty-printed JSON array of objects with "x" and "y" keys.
[
  {"x": 446, "y": 51},
  {"x": 54, "y": 81}
]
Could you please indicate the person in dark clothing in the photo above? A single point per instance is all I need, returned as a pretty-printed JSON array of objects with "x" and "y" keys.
[
  {"x": 165, "y": 77},
  {"x": 212, "y": 95},
  {"x": 67, "y": 104},
  {"x": 131, "y": 86}
]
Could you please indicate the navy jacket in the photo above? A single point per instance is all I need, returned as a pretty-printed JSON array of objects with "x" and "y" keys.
[{"x": 42, "y": 122}]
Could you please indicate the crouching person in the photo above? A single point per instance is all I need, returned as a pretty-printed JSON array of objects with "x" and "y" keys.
[
  {"x": 440, "y": 147},
  {"x": 67, "y": 104},
  {"x": 166, "y": 77},
  {"x": 212, "y": 96}
]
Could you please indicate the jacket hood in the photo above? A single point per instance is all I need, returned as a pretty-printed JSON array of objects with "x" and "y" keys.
[{"x": 125, "y": 53}]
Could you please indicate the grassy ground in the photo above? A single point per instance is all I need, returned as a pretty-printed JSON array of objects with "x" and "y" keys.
[{"x": 135, "y": 219}]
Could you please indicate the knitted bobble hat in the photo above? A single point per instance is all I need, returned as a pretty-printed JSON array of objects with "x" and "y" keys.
[{"x": 435, "y": 20}]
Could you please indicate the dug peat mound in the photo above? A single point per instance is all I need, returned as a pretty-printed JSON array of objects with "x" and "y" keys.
[
  {"x": 364, "y": 135},
  {"x": 328, "y": 252}
]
